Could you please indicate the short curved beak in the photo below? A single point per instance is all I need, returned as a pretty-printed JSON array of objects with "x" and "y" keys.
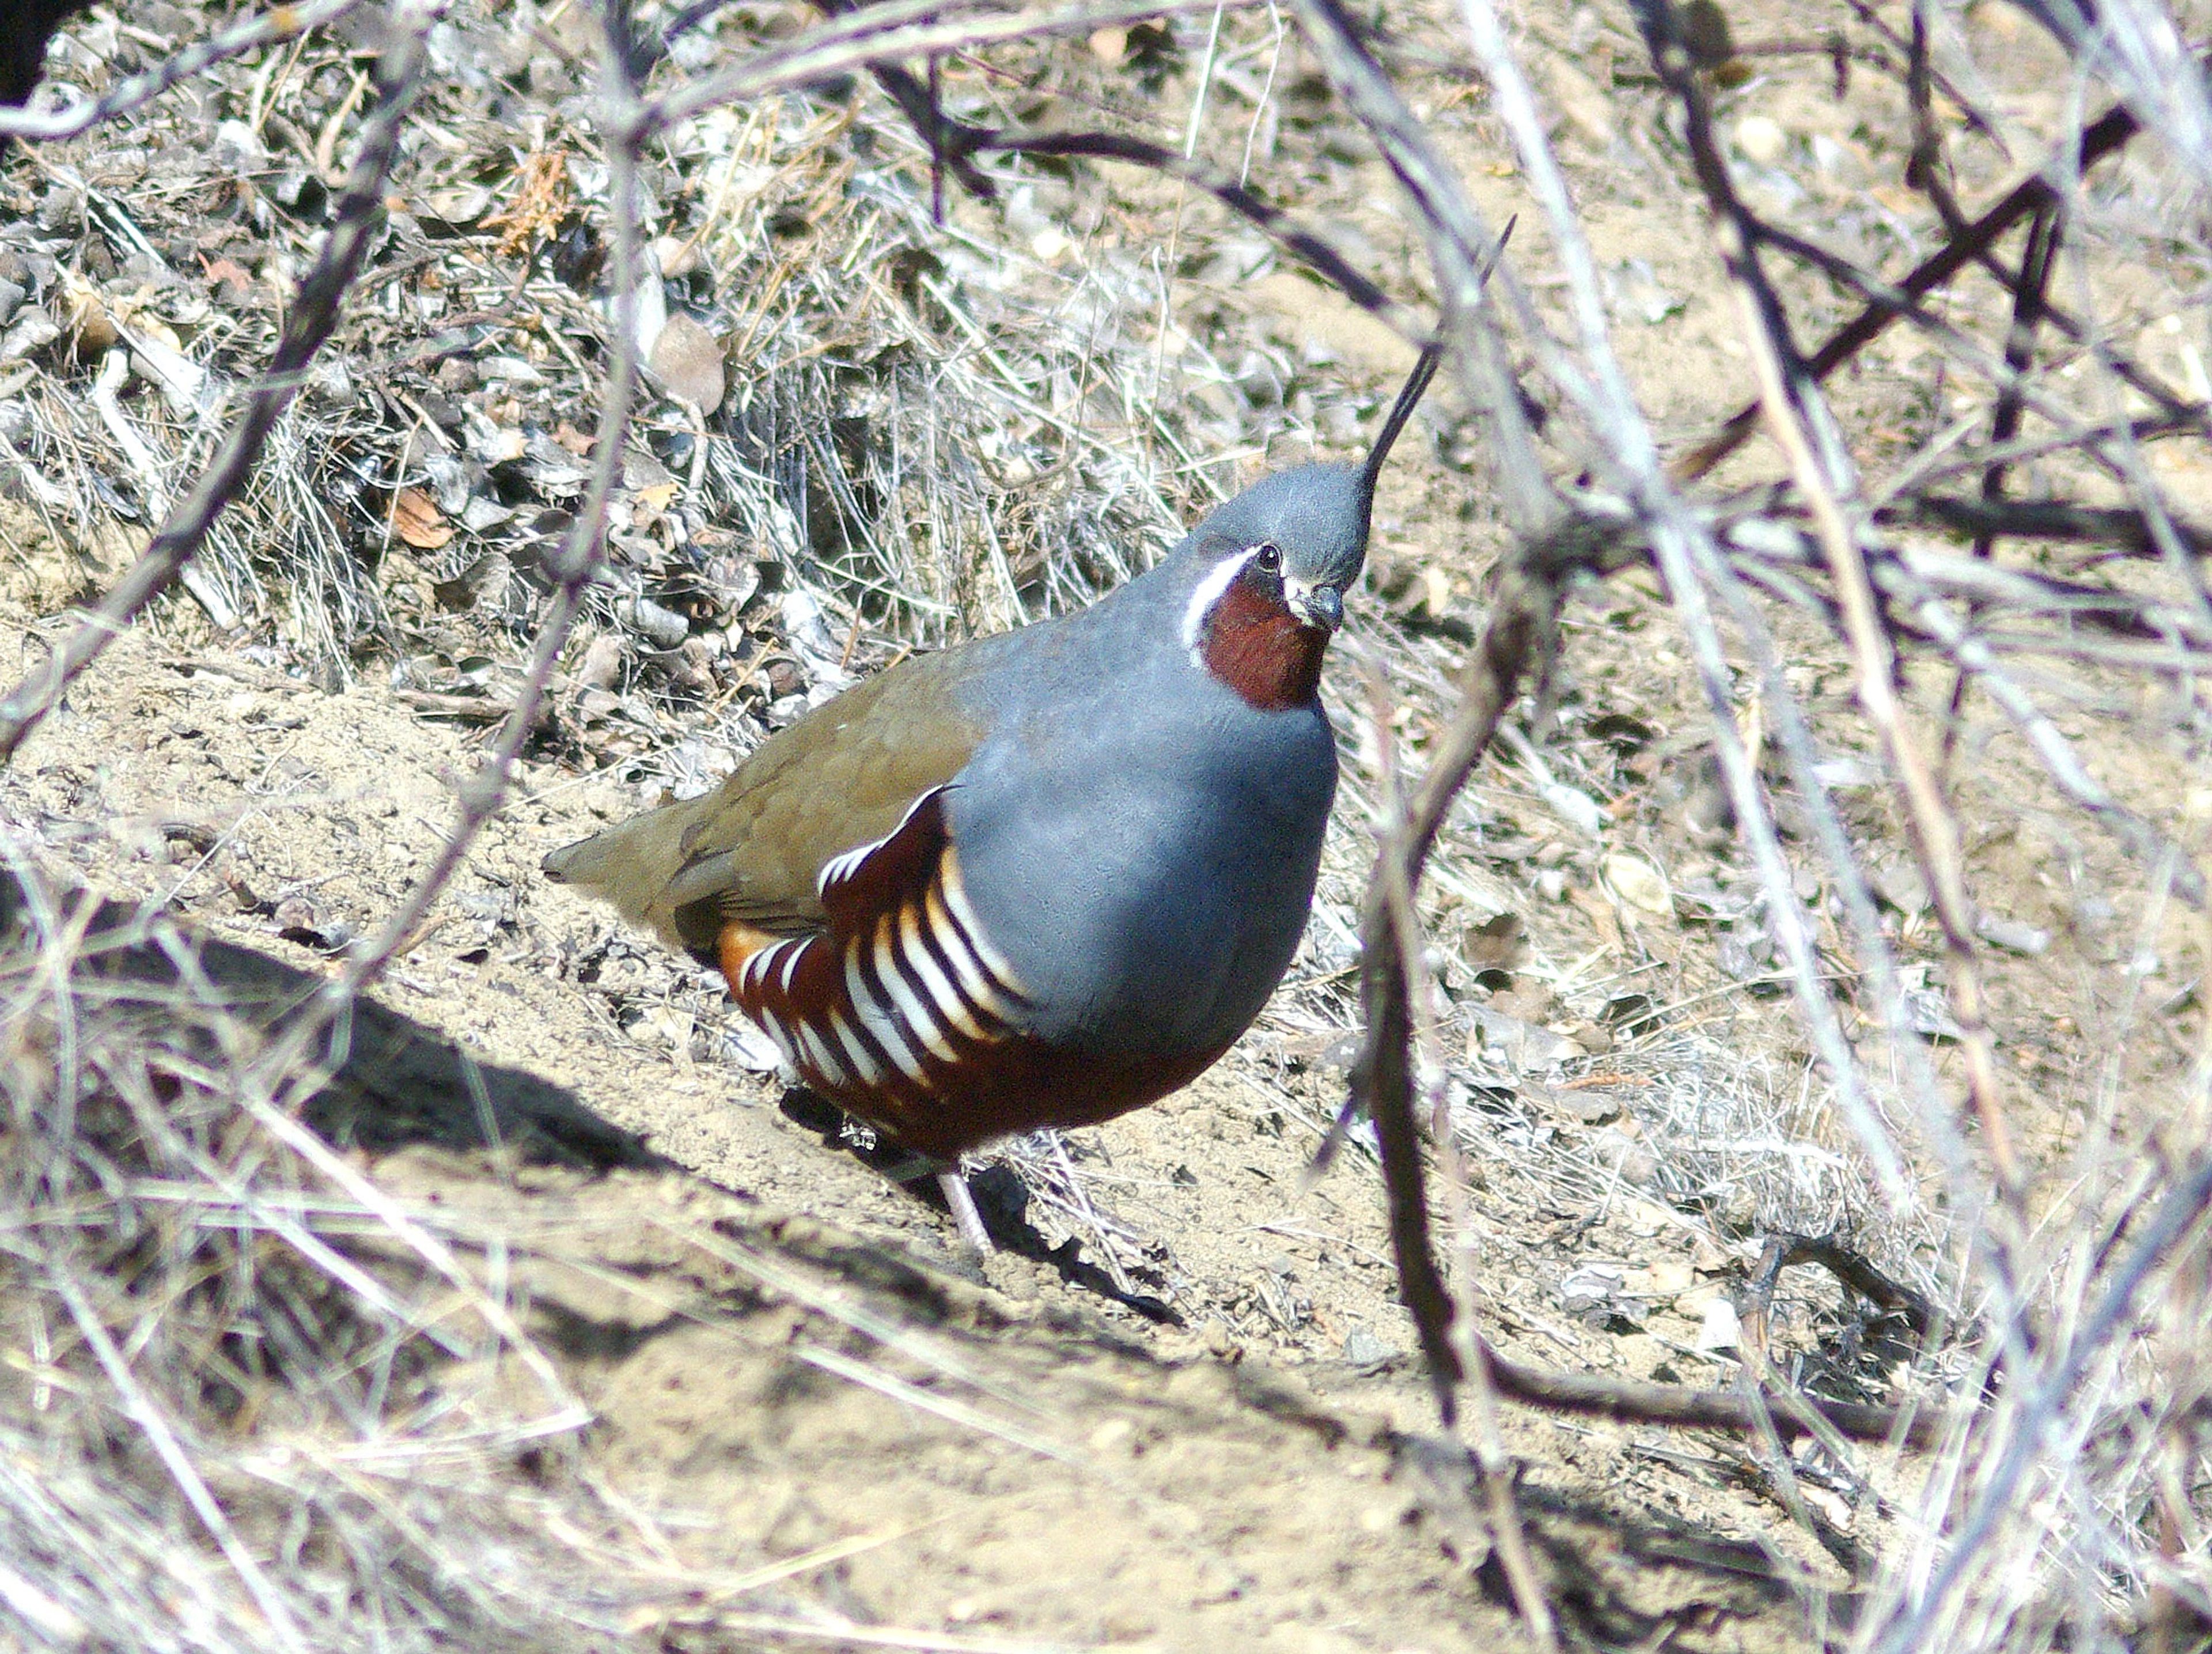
[{"x": 1321, "y": 607}]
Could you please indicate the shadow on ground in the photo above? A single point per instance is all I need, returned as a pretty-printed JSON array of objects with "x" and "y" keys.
[{"x": 393, "y": 1081}]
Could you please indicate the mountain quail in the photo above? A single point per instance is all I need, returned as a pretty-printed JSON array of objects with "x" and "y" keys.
[{"x": 1048, "y": 875}]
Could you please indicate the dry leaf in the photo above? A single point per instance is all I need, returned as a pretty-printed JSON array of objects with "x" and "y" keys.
[
  {"x": 688, "y": 360},
  {"x": 416, "y": 521},
  {"x": 234, "y": 277},
  {"x": 1637, "y": 883},
  {"x": 1498, "y": 944}
]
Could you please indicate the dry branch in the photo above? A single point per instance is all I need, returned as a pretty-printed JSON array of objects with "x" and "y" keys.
[
  {"x": 2105, "y": 137},
  {"x": 890, "y": 33},
  {"x": 282, "y": 23}
]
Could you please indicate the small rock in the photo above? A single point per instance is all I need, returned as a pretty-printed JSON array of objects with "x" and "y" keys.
[
  {"x": 1593, "y": 1286},
  {"x": 1525, "y": 1046},
  {"x": 677, "y": 257},
  {"x": 664, "y": 628},
  {"x": 2014, "y": 935},
  {"x": 1738, "y": 960},
  {"x": 688, "y": 360},
  {"x": 1665, "y": 1278},
  {"x": 1581, "y": 102},
  {"x": 1720, "y": 1330},
  {"x": 1362, "y": 1349},
  {"x": 243, "y": 143},
  {"x": 1762, "y": 140},
  {"x": 1590, "y": 1107},
  {"x": 32, "y": 331},
  {"x": 1899, "y": 884},
  {"x": 745, "y": 1046},
  {"x": 602, "y": 663},
  {"x": 294, "y": 913},
  {"x": 1495, "y": 944},
  {"x": 1529, "y": 1001},
  {"x": 1930, "y": 1013},
  {"x": 1619, "y": 1151}
]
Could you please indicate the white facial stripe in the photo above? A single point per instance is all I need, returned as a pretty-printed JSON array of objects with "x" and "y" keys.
[
  {"x": 918, "y": 1017},
  {"x": 1218, "y": 579},
  {"x": 955, "y": 898},
  {"x": 914, "y": 950},
  {"x": 878, "y": 1021}
]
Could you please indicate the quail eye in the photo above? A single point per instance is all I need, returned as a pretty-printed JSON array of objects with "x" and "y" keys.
[{"x": 1270, "y": 560}]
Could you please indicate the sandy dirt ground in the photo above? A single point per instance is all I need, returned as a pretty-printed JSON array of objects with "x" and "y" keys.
[{"x": 1178, "y": 1412}]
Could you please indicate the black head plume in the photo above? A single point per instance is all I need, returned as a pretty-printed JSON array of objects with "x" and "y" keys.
[
  {"x": 1315, "y": 516},
  {"x": 1425, "y": 369}
]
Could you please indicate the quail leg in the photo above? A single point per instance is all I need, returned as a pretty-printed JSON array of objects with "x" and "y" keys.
[{"x": 965, "y": 1217}]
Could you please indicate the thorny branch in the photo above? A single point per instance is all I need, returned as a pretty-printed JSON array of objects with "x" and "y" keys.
[
  {"x": 1395, "y": 933},
  {"x": 1514, "y": 648},
  {"x": 2105, "y": 137},
  {"x": 888, "y": 33},
  {"x": 1806, "y": 431},
  {"x": 286, "y": 1069}
]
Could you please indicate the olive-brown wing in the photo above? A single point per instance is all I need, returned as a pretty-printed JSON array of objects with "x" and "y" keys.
[{"x": 752, "y": 850}]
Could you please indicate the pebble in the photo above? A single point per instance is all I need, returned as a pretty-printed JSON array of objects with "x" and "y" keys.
[{"x": 1762, "y": 140}]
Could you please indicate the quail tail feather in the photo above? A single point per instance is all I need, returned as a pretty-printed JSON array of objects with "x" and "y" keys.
[{"x": 633, "y": 864}]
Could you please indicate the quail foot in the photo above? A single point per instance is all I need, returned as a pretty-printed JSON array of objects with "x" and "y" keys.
[{"x": 1048, "y": 875}]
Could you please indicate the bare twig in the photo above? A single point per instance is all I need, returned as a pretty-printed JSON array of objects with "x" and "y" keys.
[
  {"x": 1678, "y": 1404},
  {"x": 2181, "y": 1211},
  {"x": 1395, "y": 865},
  {"x": 889, "y": 34},
  {"x": 1805, "y": 432},
  {"x": 286, "y": 1064},
  {"x": 280, "y": 23},
  {"x": 1461, "y": 248},
  {"x": 1687, "y": 560},
  {"x": 2105, "y": 137}
]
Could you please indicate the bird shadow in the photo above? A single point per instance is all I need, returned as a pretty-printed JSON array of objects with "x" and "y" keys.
[
  {"x": 1002, "y": 1200},
  {"x": 391, "y": 1081}
]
